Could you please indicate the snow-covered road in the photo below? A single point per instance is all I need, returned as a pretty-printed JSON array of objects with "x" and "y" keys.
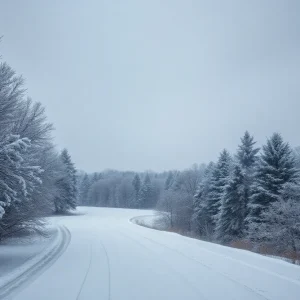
[{"x": 111, "y": 258}]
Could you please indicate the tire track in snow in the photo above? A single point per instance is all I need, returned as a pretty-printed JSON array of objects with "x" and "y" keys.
[
  {"x": 86, "y": 273},
  {"x": 206, "y": 266},
  {"x": 109, "y": 272},
  {"x": 37, "y": 265},
  {"x": 168, "y": 266},
  {"x": 89, "y": 267}
]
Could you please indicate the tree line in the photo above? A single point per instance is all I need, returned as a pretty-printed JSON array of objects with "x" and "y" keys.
[
  {"x": 143, "y": 190},
  {"x": 253, "y": 195},
  {"x": 35, "y": 179},
  {"x": 113, "y": 188}
]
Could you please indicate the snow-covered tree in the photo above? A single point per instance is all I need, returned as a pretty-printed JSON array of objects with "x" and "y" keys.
[
  {"x": 32, "y": 123},
  {"x": 84, "y": 189},
  {"x": 29, "y": 165},
  {"x": 96, "y": 176},
  {"x": 276, "y": 167},
  {"x": 280, "y": 226},
  {"x": 189, "y": 179},
  {"x": 146, "y": 193},
  {"x": 167, "y": 205},
  {"x": 169, "y": 181},
  {"x": 220, "y": 179},
  {"x": 137, "y": 188},
  {"x": 230, "y": 224},
  {"x": 11, "y": 97},
  {"x": 17, "y": 177},
  {"x": 247, "y": 153},
  {"x": 44, "y": 194},
  {"x": 202, "y": 221},
  {"x": 125, "y": 192},
  {"x": 67, "y": 198},
  {"x": 297, "y": 157}
]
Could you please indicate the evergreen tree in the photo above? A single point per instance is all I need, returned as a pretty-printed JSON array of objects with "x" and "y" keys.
[
  {"x": 220, "y": 178},
  {"x": 201, "y": 219},
  {"x": 169, "y": 181},
  {"x": 96, "y": 177},
  {"x": 84, "y": 189},
  {"x": 297, "y": 157},
  {"x": 146, "y": 193},
  {"x": 247, "y": 157},
  {"x": 247, "y": 154},
  {"x": 137, "y": 187},
  {"x": 231, "y": 222},
  {"x": 67, "y": 196},
  {"x": 276, "y": 167}
]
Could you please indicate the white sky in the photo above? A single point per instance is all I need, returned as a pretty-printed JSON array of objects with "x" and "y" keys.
[{"x": 157, "y": 84}]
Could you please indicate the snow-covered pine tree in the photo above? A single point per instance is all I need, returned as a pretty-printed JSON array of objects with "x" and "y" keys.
[
  {"x": 84, "y": 189},
  {"x": 220, "y": 179},
  {"x": 67, "y": 191},
  {"x": 247, "y": 153},
  {"x": 202, "y": 223},
  {"x": 146, "y": 193},
  {"x": 297, "y": 157},
  {"x": 247, "y": 156},
  {"x": 96, "y": 177},
  {"x": 231, "y": 223},
  {"x": 276, "y": 168},
  {"x": 136, "y": 182},
  {"x": 169, "y": 181}
]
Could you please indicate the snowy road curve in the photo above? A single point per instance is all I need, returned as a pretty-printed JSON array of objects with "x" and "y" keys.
[{"x": 111, "y": 258}]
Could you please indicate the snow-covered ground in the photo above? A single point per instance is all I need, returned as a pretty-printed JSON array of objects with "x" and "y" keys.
[
  {"x": 109, "y": 257},
  {"x": 24, "y": 259},
  {"x": 16, "y": 251}
]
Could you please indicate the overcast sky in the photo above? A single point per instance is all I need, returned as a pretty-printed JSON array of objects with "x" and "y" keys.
[{"x": 157, "y": 84}]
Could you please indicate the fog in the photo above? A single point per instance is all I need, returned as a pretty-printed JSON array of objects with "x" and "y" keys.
[{"x": 157, "y": 84}]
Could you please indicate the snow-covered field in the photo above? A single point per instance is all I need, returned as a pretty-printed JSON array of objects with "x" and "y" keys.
[{"x": 109, "y": 257}]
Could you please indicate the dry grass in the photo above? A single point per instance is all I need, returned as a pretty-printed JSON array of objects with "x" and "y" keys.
[
  {"x": 267, "y": 250},
  {"x": 293, "y": 256},
  {"x": 241, "y": 244}
]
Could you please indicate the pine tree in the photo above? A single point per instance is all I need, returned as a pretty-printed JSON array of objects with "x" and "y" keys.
[
  {"x": 247, "y": 154},
  {"x": 276, "y": 167},
  {"x": 96, "y": 177},
  {"x": 231, "y": 222},
  {"x": 66, "y": 199},
  {"x": 84, "y": 189},
  {"x": 169, "y": 181},
  {"x": 247, "y": 157},
  {"x": 297, "y": 157},
  {"x": 220, "y": 178},
  {"x": 201, "y": 219},
  {"x": 137, "y": 187},
  {"x": 146, "y": 193}
]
